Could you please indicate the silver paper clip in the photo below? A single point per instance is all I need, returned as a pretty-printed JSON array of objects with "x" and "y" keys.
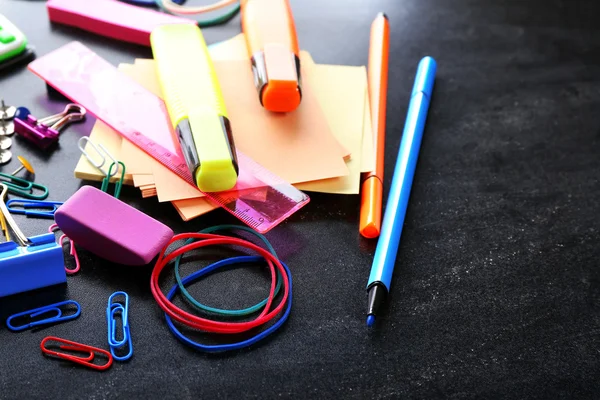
[
  {"x": 21, "y": 238},
  {"x": 102, "y": 153}
]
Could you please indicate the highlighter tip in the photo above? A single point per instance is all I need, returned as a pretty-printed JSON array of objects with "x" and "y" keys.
[{"x": 370, "y": 320}]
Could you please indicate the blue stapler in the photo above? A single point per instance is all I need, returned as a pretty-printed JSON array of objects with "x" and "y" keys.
[{"x": 29, "y": 263}]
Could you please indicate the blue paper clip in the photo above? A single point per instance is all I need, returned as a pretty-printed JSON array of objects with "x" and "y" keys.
[
  {"x": 36, "y": 312},
  {"x": 27, "y": 205},
  {"x": 112, "y": 310}
]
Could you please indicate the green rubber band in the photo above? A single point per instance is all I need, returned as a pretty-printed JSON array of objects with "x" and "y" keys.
[
  {"x": 220, "y": 311},
  {"x": 205, "y": 23}
]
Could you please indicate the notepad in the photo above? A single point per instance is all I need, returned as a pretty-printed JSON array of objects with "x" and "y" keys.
[{"x": 338, "y": 97}]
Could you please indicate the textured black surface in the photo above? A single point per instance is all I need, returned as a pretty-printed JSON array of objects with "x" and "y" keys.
[{"x": 497, "y": 286}]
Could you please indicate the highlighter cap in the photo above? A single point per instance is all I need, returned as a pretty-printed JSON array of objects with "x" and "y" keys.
[
  {"x": 208, "y": 148},
  {"x": 277, "y": 78}
]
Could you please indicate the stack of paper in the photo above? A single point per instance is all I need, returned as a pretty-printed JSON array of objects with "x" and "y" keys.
[{"x": 323, "y": 146}]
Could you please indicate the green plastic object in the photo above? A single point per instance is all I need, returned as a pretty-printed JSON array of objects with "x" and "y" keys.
[
  {"x": 211, "y": 21},
  {"x": 12, "y": 41}
]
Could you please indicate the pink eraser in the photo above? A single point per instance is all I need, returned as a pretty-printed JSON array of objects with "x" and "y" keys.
[
  {"x": 111, "y": 18},
  {"x": 111, "y": 229}
]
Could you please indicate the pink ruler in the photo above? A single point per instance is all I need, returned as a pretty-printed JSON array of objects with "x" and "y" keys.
[{"x": 260, "y": 199}]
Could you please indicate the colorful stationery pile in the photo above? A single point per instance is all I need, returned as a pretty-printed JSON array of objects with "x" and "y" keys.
[
  {"x": 323, "y": 146},
  {"x": 247, "y": 125}
]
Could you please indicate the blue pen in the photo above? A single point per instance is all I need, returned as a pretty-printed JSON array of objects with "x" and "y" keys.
[{"x": 395, "y": 210}]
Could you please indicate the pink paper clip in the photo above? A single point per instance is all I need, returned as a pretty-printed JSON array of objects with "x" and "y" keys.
[
  {"x": 72, "y": 250},
  {"x": 44, "y": 132}
]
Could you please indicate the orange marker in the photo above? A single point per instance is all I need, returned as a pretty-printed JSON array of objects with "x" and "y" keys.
[
  {"x": 270, "y": 34},
  {"x": 372, "y": 186}
]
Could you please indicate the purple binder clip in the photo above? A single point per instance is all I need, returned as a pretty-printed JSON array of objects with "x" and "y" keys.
[{"x": 44, "y": 132}]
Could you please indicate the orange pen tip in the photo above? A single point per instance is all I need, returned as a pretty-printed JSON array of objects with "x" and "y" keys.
[
  {"x": 370, "y": 231},
  {"x": 370, "y": 207}
]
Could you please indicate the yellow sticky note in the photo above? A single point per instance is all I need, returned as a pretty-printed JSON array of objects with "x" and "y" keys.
[
  {"x": 343, "y": 104},
  {"x": 140, "y": 180},
  {"x": 367, "y": 154},
  {"x": 111, "y": 140}
]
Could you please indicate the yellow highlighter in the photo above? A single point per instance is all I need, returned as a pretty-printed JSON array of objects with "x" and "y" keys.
[{"x": 195, "y": 105}]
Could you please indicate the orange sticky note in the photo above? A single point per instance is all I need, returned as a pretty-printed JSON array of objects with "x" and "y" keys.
[{"x": 192, "y": 208}]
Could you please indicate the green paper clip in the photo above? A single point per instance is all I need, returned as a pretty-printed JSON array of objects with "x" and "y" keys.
[
  {"x": 119, "y": 183},
  {"x": 23, "y": 188}
]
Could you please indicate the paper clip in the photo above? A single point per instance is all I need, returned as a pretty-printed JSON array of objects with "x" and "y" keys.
[
  {"x": 72, "y": 250},
  {"x": 99, "y": 149},
  {"x": 36, "y": 312},
  {"x": 68, "y": 345},
  {"x": 112, "y": 310},
  {"x": 23, "y": 188},
  {"x": 119, "y": 183},
  {"x": 9, "y": 220},
  {"x": 27, "y": 205}
]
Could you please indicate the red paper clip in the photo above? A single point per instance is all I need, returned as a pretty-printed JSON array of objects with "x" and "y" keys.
[{"x": 68, "y": 345}]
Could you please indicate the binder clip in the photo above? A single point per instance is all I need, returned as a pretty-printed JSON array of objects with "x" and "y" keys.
[
  {"x": 44, "y": 132},
  {"x": 29, "y": 263}
]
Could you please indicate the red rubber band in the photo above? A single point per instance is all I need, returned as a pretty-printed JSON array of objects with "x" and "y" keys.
[{"x": 208, "y": 325}]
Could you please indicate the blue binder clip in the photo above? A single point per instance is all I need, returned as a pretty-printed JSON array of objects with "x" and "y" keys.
[
  {"x": 112, "y": 310},
  {"x": 31, "y": 207},
  {"x": 36, "y": 312},
  {"x": 30, "y": 264},
  {"x": 24, "y": 268}
]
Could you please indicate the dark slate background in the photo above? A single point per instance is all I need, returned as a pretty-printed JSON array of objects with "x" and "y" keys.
[{"x": 496, "y": 287}]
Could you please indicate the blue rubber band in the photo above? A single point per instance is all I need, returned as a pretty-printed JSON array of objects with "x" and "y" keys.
[{"x": 231, "y": 346}]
